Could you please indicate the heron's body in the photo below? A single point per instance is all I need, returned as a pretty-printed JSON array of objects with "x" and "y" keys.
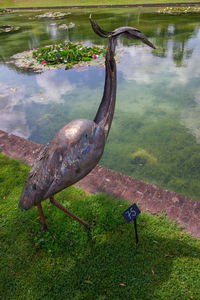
[
  {"x": 77, "y": 147},
  {"x": 71, "y": 155}
]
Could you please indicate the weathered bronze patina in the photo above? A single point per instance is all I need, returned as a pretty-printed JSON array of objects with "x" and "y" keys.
[{"x": 78, "y": 146}]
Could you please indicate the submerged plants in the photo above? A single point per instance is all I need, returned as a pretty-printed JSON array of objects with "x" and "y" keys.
[
  {"x": 68, "y": 54},
  {"x": 141, "y": 157}
]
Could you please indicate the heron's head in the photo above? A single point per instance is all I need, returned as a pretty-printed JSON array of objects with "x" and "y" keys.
[
  {"x": 128, "y": 32},
  {"x": 131, "y": 33}
]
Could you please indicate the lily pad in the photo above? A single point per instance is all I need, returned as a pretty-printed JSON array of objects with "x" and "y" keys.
[
  {"x": 28, "y": 60},
  {"x": 69, "y": 55},
  {"x": 4, "y": 11},
  {"x": 9, "y": 29},
  {"x": 66, "y": 27},
  {"x": 53, "y": 15}
]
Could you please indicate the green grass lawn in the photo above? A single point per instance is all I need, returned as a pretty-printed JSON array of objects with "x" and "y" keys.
[
  {"x": 39, "y": 3},
  {"x": 69, "y": 262}
]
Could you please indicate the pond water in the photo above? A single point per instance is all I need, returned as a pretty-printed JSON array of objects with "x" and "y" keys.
[{"x": 155, "y": 133}]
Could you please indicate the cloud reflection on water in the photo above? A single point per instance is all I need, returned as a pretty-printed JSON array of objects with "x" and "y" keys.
[
  {"x": 47, "y": 88},
  {"x": 12, "y": 120},
  {"x": 141, "y": 66},
  {"x": 52, "y": 87}
]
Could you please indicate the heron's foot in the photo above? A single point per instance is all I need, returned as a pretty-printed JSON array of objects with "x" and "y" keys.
[{"x": 44, "y": 227}]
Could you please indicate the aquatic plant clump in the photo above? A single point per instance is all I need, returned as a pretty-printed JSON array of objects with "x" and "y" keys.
[
  {"x": 59, "y": 56},
  {"x": 179, "y": 10},
  {"x": 68, "y": 54},
  {"x": 9, "y": 29},
  {"x": 65, "y": 26},
  {"x": 53, "y": 15},
  {"x": 4, "y": 11},
  {"x": 141, "y": 157}
]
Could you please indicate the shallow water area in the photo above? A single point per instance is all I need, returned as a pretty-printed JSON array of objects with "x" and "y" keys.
[{"x": 155, "y": 133}]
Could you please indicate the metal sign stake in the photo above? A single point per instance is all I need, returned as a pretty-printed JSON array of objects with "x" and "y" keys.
[
  {"x": 130, "y": 215},
  {"x": 136, "y": 234}
]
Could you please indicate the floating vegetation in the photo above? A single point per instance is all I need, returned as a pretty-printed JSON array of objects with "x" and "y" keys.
[
  {"x": 59, "y": 56},
  {"x": 69, "y": 54},
  {"x": 53, "y": 15},
  {"x": 9, "y": 29},
  {"x": 66, "y": 27},
  {"x": 179, "y": 10},
  {"x": 4, "y": 11}
]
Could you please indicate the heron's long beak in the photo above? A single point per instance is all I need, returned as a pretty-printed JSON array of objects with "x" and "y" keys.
[{"x": 98, "y": 30}]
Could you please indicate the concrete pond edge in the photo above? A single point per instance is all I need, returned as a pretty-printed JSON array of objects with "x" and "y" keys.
[
  {"x": 106, "y": 6},
  {"x": 151, "y": 198}
]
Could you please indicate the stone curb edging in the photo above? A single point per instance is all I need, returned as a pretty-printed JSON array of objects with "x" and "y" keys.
[
  {"x": 151, "y": 198},
  {"x": 107, "y": 6}
]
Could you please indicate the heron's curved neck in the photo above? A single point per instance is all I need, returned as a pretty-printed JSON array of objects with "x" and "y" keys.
[{"x": 106, "y": 109}]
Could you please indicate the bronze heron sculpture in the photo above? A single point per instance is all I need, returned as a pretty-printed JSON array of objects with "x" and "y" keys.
[{"x": 78, "y": 146}]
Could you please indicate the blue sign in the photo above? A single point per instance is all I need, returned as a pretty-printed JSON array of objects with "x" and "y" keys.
[{"x": 131, "y": 213}]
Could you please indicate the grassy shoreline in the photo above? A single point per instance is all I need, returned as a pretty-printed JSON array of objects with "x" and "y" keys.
[
  {"x": 86, "y": 3},
  {"x": 68, "y": 262}
]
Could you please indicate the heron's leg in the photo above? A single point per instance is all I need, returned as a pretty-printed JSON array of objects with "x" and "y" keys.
[
  {"x": 57, "y": 204},
  {"x": 42, "y": 217}
]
